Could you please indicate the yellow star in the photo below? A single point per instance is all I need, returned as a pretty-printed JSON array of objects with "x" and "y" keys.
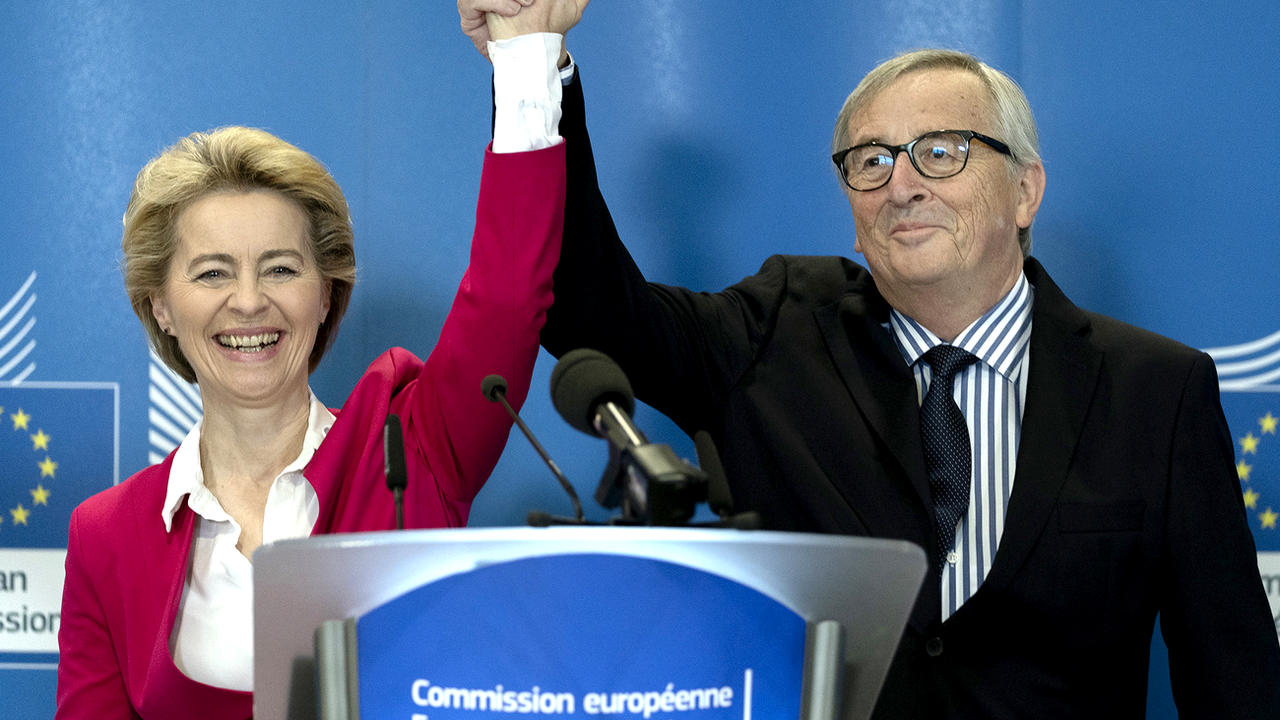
[
  {"x": 47, "y": 467},
  {"x": 1249, "y": 444},
  {"x": 41, "y": 496},
  {"x": 20, "y": 420},
  {"x": 20, "y": 515},
  {"x": 1269, "y": 518},
  {"x": 40, "y": 441},
  {"x": 1269, "y": 424},
  {"x": 1251, "y": 499},
  {"x": 1243, "y": 469}
]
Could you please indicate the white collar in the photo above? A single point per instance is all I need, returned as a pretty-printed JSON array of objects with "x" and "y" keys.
[
  {"x": 187, "y": 478},
  {"x": 999, "y": 338}
]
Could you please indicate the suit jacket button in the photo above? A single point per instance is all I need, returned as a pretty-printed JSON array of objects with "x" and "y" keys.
[{"x": 933, "y": 647}]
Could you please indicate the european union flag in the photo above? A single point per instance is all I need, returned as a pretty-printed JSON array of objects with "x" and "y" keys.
[
  {"x": 1254, "y": 418},
  {"x": 58, "y": 446}
]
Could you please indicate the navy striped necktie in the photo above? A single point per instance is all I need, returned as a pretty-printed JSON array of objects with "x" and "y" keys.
[{"x": 947, "y": 456}]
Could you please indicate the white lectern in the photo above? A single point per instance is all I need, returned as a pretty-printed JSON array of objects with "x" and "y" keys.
[{"x": 855, "y": 594}]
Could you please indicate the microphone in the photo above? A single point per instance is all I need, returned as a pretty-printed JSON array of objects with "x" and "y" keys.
[
  {"x": 494, "y": 388},
  {"x": 393, "y": 464},
  {"x": 592, "y": 394},
  {"x": 719, "y": 498}
]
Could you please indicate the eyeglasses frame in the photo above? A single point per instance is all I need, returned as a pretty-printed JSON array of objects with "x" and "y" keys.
[{"x": 895, "y": 150}]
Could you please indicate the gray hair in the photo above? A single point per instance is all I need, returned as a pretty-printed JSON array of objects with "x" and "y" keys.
[{"x": 1011, "y": 112}]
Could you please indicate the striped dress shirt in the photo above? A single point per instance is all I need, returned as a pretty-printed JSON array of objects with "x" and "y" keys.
[{"x": 991, "y": 394}]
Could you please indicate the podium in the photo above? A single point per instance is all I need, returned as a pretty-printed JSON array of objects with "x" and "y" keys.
[{"x": 851, "y": 598}]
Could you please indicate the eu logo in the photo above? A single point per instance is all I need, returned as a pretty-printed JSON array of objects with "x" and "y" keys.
[
  {"x": 1254, "y": 419},
  {"x": 1248, "y": 375},
  {"x": 58, "y": 446}
]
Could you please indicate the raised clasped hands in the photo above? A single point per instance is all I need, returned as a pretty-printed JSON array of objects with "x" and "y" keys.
[{"x": 485, "y": 20}]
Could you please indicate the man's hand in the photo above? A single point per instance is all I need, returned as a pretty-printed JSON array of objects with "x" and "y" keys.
[
  {"x": 550, "y": 16},
  {"x": 485, "y": 20},
  {"x": 473, "y": 18}
]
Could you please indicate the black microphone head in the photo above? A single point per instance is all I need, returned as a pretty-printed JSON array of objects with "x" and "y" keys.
[
  {"x": 397, "y": 473},
  {"x": 582, "y": 381},
  {"x": 492, "y": 386}
]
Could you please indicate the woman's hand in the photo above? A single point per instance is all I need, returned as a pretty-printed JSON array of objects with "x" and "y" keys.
[
  {"x": 474, "y": 24},
  {"x": 485, "y": 20}
]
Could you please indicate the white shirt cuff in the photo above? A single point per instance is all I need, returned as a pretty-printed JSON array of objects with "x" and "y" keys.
[
  {"x": 527, "y": 88},
  {"x": 566, "y": 72}
]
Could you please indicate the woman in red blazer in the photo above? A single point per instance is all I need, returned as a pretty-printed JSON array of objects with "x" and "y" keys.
[{"x": 239, "y": 262}]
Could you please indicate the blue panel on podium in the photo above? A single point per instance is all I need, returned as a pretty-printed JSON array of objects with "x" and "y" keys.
[{"x": 590, "y": 633}]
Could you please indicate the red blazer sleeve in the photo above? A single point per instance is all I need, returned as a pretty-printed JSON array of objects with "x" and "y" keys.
[
  {"x": 453, "y": 435},
  {"x": 493, "y": 325}
]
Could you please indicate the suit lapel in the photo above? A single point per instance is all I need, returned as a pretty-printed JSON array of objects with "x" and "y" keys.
[
  {"x": 876, "y": 377},
  {"x": 1063, "y": 371}
]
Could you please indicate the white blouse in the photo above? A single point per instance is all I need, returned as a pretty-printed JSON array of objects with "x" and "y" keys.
[{"x": 212, "y": 640}]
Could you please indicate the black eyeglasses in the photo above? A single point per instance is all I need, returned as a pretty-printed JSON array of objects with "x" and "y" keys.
[{"x": 938, "y": 154}]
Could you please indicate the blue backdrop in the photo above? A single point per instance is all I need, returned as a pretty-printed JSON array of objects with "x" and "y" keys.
[{"x": 713, "y": 124}]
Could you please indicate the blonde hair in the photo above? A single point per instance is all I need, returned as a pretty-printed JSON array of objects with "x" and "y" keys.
[{"x": 236, "y": 159}]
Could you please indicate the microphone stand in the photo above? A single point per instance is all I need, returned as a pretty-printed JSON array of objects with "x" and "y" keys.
[{"x": 494, "y": 388}]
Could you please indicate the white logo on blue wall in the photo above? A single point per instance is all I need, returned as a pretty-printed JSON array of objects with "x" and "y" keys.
[
  {"x": 1249, "y": 367},
  {"x": 59, "y": 444},
  {"x": 175, "y": 409},
  {"x": 1249, "y": 377},
  {"x": 16, "y": 322}
]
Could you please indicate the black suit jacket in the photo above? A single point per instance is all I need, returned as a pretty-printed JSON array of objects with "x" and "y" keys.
[{"x": 1125, "y": 501}]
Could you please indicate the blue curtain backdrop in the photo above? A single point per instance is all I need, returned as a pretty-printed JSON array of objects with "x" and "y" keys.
[{"x": 712, "y": 123}]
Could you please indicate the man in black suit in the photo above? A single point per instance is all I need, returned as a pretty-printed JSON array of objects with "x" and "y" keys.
[{"x": 1072, "y": 478}]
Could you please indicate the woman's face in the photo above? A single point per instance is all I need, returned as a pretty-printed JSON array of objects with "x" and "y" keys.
[{"x": 244, "y": 297}]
